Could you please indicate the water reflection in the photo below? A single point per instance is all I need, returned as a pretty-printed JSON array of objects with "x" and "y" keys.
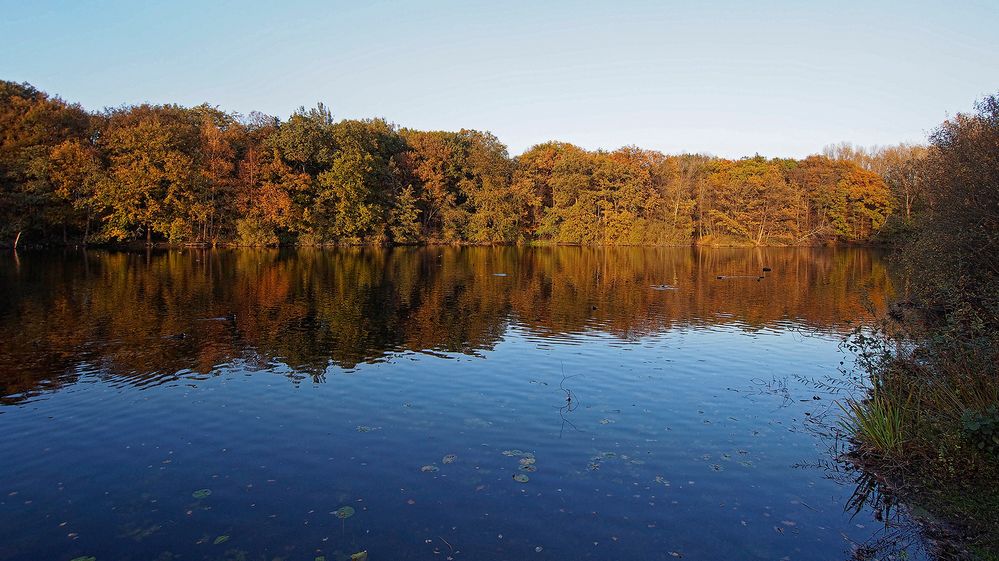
[
  {"x": 629, "y": 399},
  {"x": 146, "y": 317}
]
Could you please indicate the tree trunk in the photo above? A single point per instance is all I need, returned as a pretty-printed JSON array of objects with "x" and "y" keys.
[{"x": 86, "y": 230}]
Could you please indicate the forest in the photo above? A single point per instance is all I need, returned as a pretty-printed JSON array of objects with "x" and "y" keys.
[{"x": 201, "y": 176}]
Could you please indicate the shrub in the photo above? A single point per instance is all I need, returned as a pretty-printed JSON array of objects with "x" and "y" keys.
[
  {"x": 251, "y": 232},
  {"x": 982, "y": 429}
]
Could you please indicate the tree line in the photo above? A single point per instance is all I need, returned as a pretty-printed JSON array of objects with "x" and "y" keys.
[{"x": 199, "y": 175}]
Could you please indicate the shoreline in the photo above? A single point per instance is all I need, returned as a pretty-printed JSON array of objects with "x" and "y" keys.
[{"x": 133, "y": 246}]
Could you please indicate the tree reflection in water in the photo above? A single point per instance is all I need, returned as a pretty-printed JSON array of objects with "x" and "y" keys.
[{"x": 147, "y": 317}]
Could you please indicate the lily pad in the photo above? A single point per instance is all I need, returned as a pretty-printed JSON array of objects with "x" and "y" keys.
[
  {"x": 430, "y": 469},
  {"x": 527, "y": 461},
  {"x": 360, "y": 556},
  {"x": 221, "y": 539},
  {"x": 529, "y": 468},
  {"x": 521, "y": 478},
  {"x": 449, "y": 459},
  {"x": 201, "y": 493},
  {"x": 344, "y": 512}
]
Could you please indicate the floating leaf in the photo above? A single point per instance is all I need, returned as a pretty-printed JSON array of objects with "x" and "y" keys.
[
  {"x": 201, "y": 493},
  {"x": 360, "y": 556},
  {"x": 85, "y": 558},
  {"x": 344, "y": 512},
  {"x": 521, "y": 478},
  {"x": 530, "y": 468},
  {"x": 527, "y": 461},
  {"x": 321, "y": 558},
  {"x": 449, "y": 459},
  {"x": 221, "y": 539},
  {"x": 430, "y": 469},
  {"x": 364, "y": 428},
  {"x": 606, "y": 421}
]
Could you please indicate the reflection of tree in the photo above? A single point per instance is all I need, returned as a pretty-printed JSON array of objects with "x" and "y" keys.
[
  {"x": 148, "y": 317},
  {"x": 900, "y": 535}
]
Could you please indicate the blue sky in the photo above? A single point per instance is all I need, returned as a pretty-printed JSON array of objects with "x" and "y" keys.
[{"x": 779, "y": 78}]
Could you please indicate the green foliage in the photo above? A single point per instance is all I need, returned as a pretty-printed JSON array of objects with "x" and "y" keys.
[
  {"x": 982, "y": 429},
  {"x": 252, "y": 232},
  {"x": 404, "y": 218},
  {"x": 882, "y": 420}
]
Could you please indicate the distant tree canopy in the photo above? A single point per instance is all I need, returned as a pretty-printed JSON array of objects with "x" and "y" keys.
[{"x": 200, "y": 175}]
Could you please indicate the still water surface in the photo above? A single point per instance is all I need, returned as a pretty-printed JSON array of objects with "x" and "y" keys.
[{"x": 479, "y": 404}]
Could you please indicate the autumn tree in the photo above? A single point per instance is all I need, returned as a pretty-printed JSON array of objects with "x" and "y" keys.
[
  {"x": 494, "y": 208},
  {"x": 956, "y": 248},
  {"x": 31, "y": 125},
  {"x": 79, "y": 175},
  {"x": 753, "y": 202},
  {"x": 151, "y": 152},
  {"x": 433, "y": 162},
  {"x": 559, "y": 179}
]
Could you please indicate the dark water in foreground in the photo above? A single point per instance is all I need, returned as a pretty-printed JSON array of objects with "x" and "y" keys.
[{"x": 192, "y": 405}]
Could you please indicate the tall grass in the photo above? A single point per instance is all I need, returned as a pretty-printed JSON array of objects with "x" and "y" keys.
[{"x": 881, "y": 420}]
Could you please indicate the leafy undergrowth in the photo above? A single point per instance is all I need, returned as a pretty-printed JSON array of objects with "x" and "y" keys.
[{"x": 926, "y": 426}]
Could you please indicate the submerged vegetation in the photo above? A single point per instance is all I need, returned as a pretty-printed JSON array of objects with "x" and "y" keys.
[
  {"x": 166, "y": 173},
  {"x": 929, "y": 424}
]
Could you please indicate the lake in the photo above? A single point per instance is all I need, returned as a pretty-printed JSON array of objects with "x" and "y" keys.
[{"x": 432, "y": 403}]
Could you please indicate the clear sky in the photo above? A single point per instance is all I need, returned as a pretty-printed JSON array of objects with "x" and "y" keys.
[{"x": 779, "y": 78}]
